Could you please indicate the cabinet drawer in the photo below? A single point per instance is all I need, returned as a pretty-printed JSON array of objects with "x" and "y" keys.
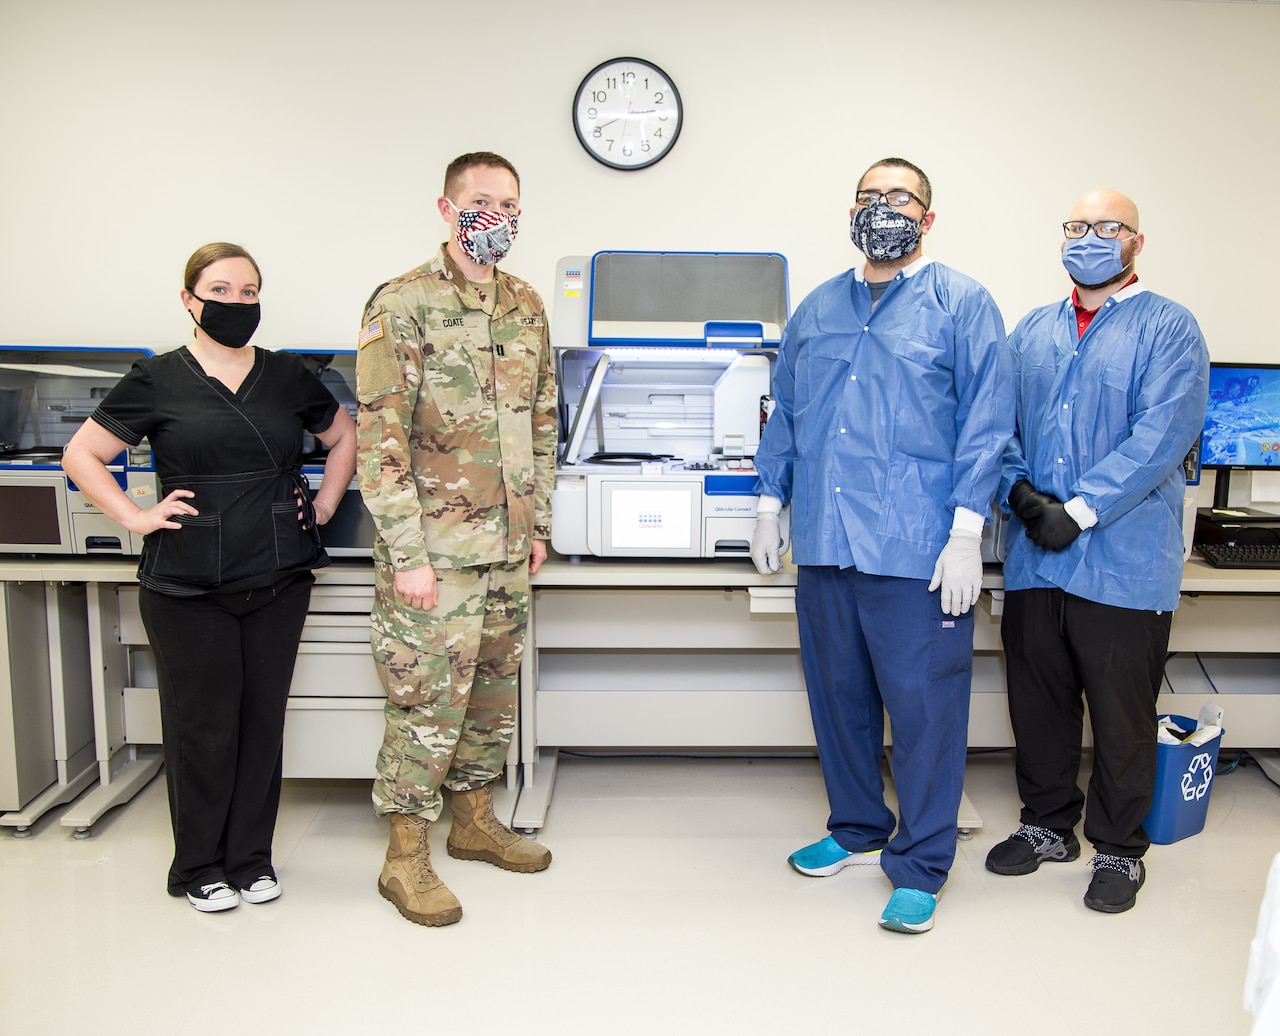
[
  {"x": 683, "y": 618},
  {"x": 323, "y": 737},
  {"x": 355, "y": 600},
  {"x": 635, "y": 718},
  {"x": 333, "y": 738},
  {"x": 335, "y": 670},
  {"x": 335, "y": 629},
  {"x": 336, "y": 613}
]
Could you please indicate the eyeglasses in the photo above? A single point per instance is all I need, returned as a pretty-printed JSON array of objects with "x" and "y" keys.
[
  {"x": 896, "y": 198},
  {"x": 1107, "y": 228}
]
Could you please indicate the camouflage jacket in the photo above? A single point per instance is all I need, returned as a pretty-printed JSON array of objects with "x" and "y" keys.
[{"x": 457, "y": 421}]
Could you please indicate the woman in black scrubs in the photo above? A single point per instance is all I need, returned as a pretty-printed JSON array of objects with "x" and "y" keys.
[{"x": 226, "y": 562}]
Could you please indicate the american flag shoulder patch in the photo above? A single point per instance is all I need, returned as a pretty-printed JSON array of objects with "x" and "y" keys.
[{"x": 371, "y": 332}]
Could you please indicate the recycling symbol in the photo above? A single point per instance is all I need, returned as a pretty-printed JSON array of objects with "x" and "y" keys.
[{"x": 1201, "y": 769}]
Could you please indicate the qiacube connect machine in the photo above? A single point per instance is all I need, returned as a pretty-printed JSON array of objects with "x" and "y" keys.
[
  {"x": 50, "y": 733},
  {"x": 664, "y": 363}
]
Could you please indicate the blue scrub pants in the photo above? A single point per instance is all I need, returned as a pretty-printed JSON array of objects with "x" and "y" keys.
[{"x": 871, "y": 644}]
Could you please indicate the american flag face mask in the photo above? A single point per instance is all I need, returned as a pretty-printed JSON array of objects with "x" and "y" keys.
[{"x": 485, "y": 235}]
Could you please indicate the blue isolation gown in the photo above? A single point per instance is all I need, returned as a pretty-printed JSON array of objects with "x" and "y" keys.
[
  {"x": 1108, "y": 417},
  {"x": 886, "y": 420}
]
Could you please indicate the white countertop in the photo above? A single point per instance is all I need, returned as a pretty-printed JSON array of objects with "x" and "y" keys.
[{"x": 1198, "y": 576}]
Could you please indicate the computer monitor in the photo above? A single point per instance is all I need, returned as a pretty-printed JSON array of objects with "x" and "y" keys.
[{"x": 1241, "y": 422}]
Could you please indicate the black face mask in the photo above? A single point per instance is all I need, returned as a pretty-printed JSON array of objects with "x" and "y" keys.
[{"x": 229, "y": 323}]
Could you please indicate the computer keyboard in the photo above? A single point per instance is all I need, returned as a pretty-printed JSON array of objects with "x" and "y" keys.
[{"x": 1240, "y": 555}]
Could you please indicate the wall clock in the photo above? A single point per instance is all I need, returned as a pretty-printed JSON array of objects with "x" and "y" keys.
[{"x": 627, "y": 113}]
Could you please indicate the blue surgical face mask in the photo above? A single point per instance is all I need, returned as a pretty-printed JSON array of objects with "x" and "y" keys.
[{"x": 1092, "y": 260}]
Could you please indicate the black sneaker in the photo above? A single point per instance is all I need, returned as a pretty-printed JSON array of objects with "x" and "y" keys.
[
  {"x": 1115, "y": 884},
  {"x": 1028, "y": 847},
  {"x": 215, "y": 896},
  {"x": 262, "y": 889}
]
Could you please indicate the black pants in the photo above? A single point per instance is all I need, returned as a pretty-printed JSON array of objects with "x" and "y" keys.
[
  {"x": 1058, "y": 647},
  {"x": 224, "y": 663}
]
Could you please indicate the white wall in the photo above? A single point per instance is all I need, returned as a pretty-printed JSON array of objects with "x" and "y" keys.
[{"x": 315, "y": 133}]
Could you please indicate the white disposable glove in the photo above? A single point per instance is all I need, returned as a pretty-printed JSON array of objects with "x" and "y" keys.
[
  {"x": 959, "y": 571},
  {"x": 766, "y": 544}
]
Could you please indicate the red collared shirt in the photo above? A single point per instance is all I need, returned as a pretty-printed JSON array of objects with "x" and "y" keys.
[{"x": 1085, "y": 316}]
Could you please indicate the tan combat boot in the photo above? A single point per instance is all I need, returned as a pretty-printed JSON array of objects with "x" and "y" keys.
[
  {"x": 408, "y": 880},
  {"x": 478, "y": 835}
]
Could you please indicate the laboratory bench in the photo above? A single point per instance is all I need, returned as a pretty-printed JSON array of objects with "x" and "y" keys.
[
  {"x": 76, "y": 659},
  {"x": 638, "y": 654},
  {"x": 621, "y": 654}
]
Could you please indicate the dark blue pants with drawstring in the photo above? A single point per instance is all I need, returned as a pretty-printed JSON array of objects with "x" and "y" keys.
[{"x": 877, "y": 644}]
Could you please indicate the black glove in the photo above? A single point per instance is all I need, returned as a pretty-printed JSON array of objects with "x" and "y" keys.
[
  {"x": 1047, "y": 523},
  {"x": 1051, "y": 527},
  {"x": 1025, "y": 501}
]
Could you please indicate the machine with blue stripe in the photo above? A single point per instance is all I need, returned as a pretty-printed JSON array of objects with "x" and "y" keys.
[
  {"x": 46, "y": 393},
  {"x": 664, "y": 363}
]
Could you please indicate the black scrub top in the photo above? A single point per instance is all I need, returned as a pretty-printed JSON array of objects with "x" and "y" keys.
[{"x": 239, "y": 453}]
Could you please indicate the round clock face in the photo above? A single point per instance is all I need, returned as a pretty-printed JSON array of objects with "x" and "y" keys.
[{"x": 627, "y": 113}]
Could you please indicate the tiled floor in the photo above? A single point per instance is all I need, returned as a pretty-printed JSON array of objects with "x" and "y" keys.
[{"x": 669, "y": 909}]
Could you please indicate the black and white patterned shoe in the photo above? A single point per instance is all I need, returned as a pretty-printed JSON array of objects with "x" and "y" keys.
[
  {"x": 1115, "y": 883},
  {"x": 1028, "y": 847}
]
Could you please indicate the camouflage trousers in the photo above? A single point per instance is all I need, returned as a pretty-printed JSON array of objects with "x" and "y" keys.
[{"x": 451, "y": 677}]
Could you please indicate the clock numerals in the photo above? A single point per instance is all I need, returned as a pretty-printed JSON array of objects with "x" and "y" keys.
[{"x": 627, "y": 113}]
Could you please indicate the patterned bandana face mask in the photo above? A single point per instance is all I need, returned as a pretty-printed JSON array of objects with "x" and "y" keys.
[
  {"x": 883, "y": 233},
  {"x": 485, "y": 235}
]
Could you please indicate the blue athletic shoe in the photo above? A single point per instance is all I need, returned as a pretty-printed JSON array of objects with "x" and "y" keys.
[
  {"x": 822, "y": 859},
  {"x": 909, "y": 910}
]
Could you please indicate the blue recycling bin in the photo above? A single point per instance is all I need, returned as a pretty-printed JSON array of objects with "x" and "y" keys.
[{"x": 1184, "y": 778}]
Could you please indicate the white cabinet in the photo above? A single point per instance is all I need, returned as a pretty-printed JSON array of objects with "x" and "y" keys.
[
  {"x": 665, "y": 667},
  {"x": 47, "y": 749},
  {"x": 333, "y": 721},
  {"x": 636, "y": 654}
]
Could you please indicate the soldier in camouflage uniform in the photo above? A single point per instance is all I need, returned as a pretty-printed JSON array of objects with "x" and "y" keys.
[{"x": 457, "y": 439}]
